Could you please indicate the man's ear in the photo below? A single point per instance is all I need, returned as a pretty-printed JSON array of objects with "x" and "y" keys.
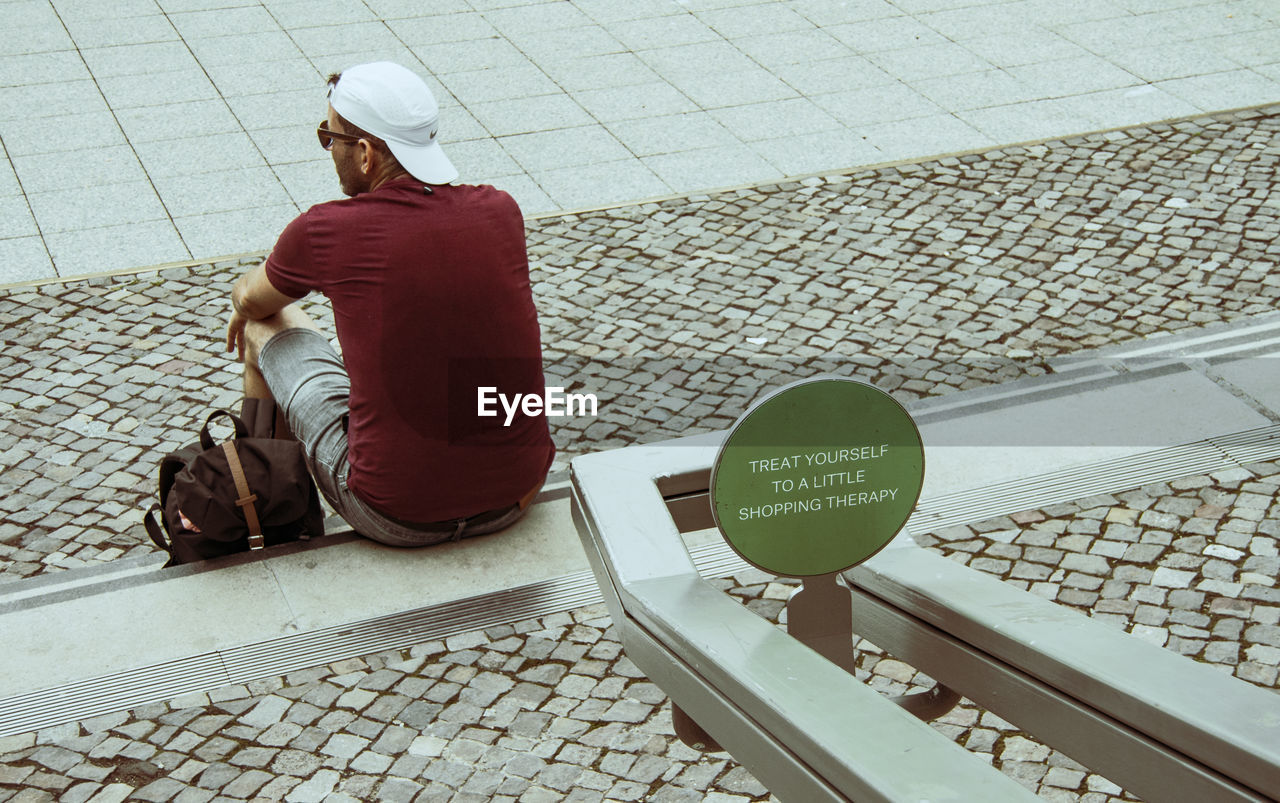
[{"x": 368, "y": 157}]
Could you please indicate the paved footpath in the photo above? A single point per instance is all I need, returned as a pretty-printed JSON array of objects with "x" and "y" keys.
[{"x": 923, "y": 278}]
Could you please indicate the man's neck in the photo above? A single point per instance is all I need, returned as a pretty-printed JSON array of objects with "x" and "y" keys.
[{"x": 390, "y": 176}]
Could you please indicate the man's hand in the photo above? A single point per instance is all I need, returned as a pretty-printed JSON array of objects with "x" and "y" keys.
[{"x": 235, "y": 334}]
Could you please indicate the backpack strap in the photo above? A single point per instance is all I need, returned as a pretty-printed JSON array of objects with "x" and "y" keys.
[
  {"x": 241, "y": 431},
  {"x": 153, "y": 529},
  {"x": 247, "y": 498}
]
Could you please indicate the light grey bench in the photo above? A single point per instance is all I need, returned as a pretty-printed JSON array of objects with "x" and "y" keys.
[{"x": 1161, "y": 725}]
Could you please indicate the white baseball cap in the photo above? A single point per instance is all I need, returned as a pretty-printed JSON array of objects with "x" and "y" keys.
[{"x": 395, "y": 105}]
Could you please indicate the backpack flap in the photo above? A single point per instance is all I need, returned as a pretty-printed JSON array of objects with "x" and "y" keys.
[
  {"x": 276, "y": 476},
  {"x": 276, "y": 471}
]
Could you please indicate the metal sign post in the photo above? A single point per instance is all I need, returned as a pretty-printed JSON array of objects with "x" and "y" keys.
[
  {"x": 820, "y": 614},
  {"x": 811, "y": 481}
]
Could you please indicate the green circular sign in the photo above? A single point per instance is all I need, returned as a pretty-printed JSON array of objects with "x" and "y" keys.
[{"x": 817, "y": 477}]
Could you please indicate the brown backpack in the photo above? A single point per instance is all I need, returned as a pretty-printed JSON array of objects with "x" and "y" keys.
[{"x": 243, "y": 494}]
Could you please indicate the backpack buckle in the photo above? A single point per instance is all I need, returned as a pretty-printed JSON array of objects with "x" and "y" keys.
[{"x": 256, "y": 542}]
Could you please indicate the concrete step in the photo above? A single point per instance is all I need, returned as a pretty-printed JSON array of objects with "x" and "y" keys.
[{"x": 1253, "y": 337}]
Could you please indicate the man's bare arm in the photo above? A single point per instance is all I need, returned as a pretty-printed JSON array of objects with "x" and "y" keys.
[
  {"x": 252, "y": 298},
  {"x": 255, "y": 297}
]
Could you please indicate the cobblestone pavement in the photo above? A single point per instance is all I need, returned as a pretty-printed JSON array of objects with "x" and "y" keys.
[
  {"x": 550, "y": 709},
  {"x": 922, "y": 278}
]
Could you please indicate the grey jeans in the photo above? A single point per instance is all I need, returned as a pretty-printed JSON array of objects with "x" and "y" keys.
[{"x": 310, "y": 383}]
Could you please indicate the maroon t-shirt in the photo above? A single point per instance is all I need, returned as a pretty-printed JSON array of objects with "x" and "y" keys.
[{"x": 432, "y": 300}]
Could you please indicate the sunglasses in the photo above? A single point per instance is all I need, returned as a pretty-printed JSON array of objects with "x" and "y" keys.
[{"x": 328, "y": 137}]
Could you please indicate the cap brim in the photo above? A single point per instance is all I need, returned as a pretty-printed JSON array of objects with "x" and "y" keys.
[{"x": 424, "y": 162}]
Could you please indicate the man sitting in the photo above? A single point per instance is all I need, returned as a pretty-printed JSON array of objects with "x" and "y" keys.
[{"x": 429, "y": 283}]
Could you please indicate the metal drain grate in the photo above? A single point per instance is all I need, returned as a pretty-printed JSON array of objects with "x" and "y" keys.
[
  {"x": 207, "y": 671},
  {"x": 1064, "y": 486},
  {"x": 277, "y": 656},
  {"x": 116, "y": 692},
  {"x": 402, "y": 630},
  {"x": 1253, "y": 446}
]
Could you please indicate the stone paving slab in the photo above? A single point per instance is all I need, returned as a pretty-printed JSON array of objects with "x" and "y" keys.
[
  {"x": 923, "y": 279},
  {"x": 550, "y": 709},
  {"x": 195, "y": 118}
]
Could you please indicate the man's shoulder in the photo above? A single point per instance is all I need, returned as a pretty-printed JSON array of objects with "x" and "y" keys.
[
  {"x": 485, "y": 196},
  {"x": 458, "y": 196},
  {"x": 339, "y": 212},
  {"x": 336, "y": 206},
  {"x": 478, "y": 192}
]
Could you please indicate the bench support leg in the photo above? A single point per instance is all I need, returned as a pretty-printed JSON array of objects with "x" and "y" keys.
[
  {"x": 820, "y": 615},
  {"x": 691, "y": 733}
]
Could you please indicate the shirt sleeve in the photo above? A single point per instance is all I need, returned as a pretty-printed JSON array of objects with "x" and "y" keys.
[{"x": 289, "y": 267}]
